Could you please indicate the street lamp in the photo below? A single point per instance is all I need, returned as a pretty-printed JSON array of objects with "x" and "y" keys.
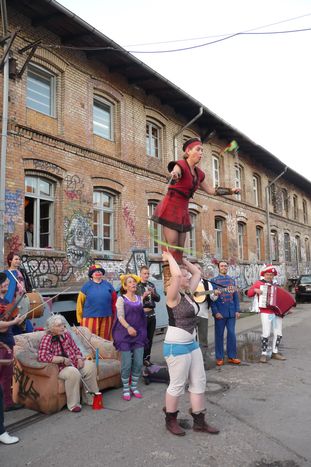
[{"x": 269, "y": 259}]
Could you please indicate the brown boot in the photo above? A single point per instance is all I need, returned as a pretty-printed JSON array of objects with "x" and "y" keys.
[
  {"x": 199, "y": 423},
  {"x": 263, "y": 359},
  {"x": 278, "y": 356},
  {"x": 172, "y": 424},
  {"x": 166, "y": 276}
]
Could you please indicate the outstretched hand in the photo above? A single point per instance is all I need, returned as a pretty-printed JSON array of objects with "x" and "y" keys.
[{"x": 166, "y": 255}]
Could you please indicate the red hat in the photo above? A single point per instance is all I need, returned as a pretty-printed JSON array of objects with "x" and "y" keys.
[{"x": 269, "y": 268}]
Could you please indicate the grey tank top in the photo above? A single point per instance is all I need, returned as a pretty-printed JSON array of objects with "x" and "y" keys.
[{"x": 183, "y": 315}]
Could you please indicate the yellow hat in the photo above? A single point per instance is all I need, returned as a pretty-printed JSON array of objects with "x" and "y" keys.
[{"x": 124, "y": 277}]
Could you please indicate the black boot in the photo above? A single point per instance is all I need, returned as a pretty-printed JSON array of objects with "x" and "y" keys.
[
  {"x": 172, "y": 424},
  {"x": 199, "y": 423}
]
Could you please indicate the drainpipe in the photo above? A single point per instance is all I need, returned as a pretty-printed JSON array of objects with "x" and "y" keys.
[
  {"x": 183, "y": 128},
  {"x": 268, "y": 215},
  {"x": 5, "y": 108}
]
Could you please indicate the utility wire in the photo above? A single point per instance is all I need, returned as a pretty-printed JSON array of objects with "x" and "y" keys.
[
  {"x": 219, "y": 35},
  {"x": 87, "y": 48}
]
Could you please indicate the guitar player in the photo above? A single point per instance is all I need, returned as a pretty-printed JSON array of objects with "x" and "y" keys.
[
  {"x": 204, "y": 303},
  {"x": 225, "y": 311}
]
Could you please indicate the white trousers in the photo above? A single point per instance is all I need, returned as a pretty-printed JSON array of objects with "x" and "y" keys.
[
  {"x": 183, "y": 368},
  {"x": 271, "y": 322},
  {"x": 72, "y": 378}
]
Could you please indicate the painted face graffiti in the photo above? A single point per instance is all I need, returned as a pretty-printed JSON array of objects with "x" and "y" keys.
[{"x": 79, "y": 240}]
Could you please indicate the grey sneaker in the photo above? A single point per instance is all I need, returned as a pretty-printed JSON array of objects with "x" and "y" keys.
[
  {"x": 263, "y": 359},
  {"x": 277, "y": 356}
]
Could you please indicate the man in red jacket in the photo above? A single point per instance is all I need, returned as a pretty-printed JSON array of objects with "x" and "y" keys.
[{"x": 269, "y": 319}]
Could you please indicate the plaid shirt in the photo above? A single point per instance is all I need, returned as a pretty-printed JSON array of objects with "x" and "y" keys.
[{"x": 49, "y": 349}]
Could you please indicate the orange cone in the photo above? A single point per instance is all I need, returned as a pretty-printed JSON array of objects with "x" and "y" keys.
[{"x": 98, "y": 401}]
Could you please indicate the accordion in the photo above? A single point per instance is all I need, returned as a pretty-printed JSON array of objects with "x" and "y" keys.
[{"x": 276, "y": 299}]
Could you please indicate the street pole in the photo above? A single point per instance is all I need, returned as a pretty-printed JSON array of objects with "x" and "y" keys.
[
  {"x": 268, "y": 257},
  {"x": 4, "y": 134}
]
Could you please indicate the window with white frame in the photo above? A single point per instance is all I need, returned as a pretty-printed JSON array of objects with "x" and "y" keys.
[
  {"x": 216, "y": 172},
  {"x": 295, "y": 207},
  {"x": 256, "y": 190},
  {"x": 298, "y": 249},
  {"x": 307, "y": 249},
  {"x": 241, "y": 240},
  {"x": 284, "y": 197},
  {"x": 219, "y": 224},
  {"x": 287, "y": 247},
  {"x": 39, "y": 211},
  {"x": 259, "y": 241},
  {"x": 153, "y": 140},
  {"x": 103, "y": 118},
  {"x": 154, "y": 229},
  {"x": 238, "y": 181},
  {"x": 274, "y": 245},
  {"x": 305, "y": 211},
  {"x": 41, "y": 90},
  {"x": 103, "y": 221}
]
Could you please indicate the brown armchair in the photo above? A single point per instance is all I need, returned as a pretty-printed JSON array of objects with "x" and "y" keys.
[{"x": 37, "y": 385}]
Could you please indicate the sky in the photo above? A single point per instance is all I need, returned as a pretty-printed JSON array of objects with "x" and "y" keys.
[{"x": 259, "y": 84}]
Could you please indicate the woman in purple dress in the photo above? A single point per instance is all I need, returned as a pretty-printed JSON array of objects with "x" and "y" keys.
[{"x": 129, "y": 334}]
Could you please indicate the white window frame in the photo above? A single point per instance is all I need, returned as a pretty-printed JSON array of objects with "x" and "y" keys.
[
  {"x": 153, "y": 150},
  {"x": 238, "y": 181},
  {"x": 241, "y": 235},
  {"x": 39, "y": 75},
  {"x": 154, "y": 228},
  {"x": 107, "y": 107},
  {"x": 298, "y": 249},
  {"x": 219, "y": 225},
  {"x": 256, "y": 190},
  {"x": 216, "y": 171},
  {"x": 274, "y": 239},
  {"x": 192, "y": 233},
  {"x": 100, "y": 232},
  {"x": 38, "y": 198},
  {"x": 259, "y": 234},
  {"x": 287, "y": 248}
]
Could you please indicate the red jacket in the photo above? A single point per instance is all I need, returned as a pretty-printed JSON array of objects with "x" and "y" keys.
[{"x": 251, "y": 292}]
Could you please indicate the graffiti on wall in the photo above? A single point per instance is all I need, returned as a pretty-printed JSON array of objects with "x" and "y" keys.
[
  {"x": 128, "y": 212},
  {"x": 14, "y": 242},
  {"x": 47, "y": 272},
  {"x": 13, "y": 203},
  {"x": 73, "y": 187},
  {"x": 78, "y": 239}
]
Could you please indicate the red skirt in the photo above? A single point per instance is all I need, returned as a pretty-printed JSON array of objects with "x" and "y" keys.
[{"x": 173, "y": 212}]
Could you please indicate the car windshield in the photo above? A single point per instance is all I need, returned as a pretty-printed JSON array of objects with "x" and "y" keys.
[{"x": 305, "y": 280}]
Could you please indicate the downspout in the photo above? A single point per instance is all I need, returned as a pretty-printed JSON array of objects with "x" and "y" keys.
[
  {"x": 183, "y": 128},
  {"x": 4, "y": 133}
]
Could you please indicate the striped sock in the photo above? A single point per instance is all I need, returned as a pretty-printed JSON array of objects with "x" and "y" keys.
[
  {"x": 134, "y": 384},
  {"x": 126, "y": 386}
]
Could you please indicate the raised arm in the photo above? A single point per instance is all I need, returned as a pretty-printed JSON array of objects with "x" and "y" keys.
[
  {"x": 173, "y": 295},
  {"x": 195, "y": 275}
]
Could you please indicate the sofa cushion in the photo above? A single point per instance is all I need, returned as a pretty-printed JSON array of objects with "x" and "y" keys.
[{"x": 108, "y": 368}]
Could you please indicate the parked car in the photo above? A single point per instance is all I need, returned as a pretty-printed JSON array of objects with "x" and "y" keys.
[{"x": 303, "y": 288}]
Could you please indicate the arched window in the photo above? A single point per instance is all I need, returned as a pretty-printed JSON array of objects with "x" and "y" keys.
[
  {"x": 154, "y": 229},
  {"x": 39, "y": 211},
  {"x": 287, "y": 247},
  {"x": 274, "y": 245},
  {"x": 219, "y": 226},
  {"x": 305, "y": 211},
  {"x": 216, "y": 171},
  {"x": 41, "y": 90},
  {"x": 295, "y": 207},
  {"x": 298, "y": 249},
  {"x": 103, "y": 118},
  {"x": 239, "y": 180},
  {"x": 259, "y": 243},
  {"x": 153, "y": 139},
  {"x": 256, "y": 190},
  {"x": 284, "y": 198},
  {"x": 242, "y": 241},
  {"x": 192, "y": 233},
  {"x": 103, "y": 221},
  {"x": 307, "y": 249}
]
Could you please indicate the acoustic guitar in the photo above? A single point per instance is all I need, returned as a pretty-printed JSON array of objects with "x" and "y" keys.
[{"x": 200, "y": 294}]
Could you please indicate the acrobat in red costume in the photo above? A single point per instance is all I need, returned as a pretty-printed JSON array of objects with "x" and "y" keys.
[{"x": 173, "y": 211}]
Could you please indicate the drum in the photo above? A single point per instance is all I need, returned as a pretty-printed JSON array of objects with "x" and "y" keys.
[{"x": 32, "y": 303}]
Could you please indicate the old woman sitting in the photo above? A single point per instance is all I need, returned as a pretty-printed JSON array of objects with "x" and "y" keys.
[{"x": 57, "y": 346}]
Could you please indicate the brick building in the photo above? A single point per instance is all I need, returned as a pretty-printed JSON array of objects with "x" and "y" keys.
[{"x": 91, "y": 131}]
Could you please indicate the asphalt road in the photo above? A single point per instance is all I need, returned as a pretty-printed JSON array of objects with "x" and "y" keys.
[{"x": 262, "y": 410}]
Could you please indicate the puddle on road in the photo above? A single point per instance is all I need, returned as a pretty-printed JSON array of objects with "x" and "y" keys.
[{"x": 249, "y": 346}]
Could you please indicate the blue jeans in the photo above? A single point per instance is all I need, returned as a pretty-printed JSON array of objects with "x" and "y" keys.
[{"x": 131, "y": 363}]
